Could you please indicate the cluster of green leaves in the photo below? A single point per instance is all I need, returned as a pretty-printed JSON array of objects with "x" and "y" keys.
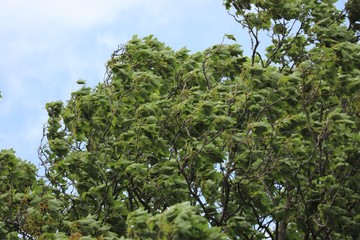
[
  {"x": 177, "y": 222},
  {"x": 353, "y": 10},
  {"x": 17, "y": 182},
  {"x": 28, "y": 207},
  {"x": 206, "y": 145},
  {"x": 286, "y": 30},
  {"x": 114, "y": 146},
  {"x": 251, "y": 147}
]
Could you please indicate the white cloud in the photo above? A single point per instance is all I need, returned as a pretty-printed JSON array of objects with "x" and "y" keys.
[
  {"x": 34, "y": 15},
  {"x": 77, "y": 14},
  {"x": 109, "y": 41}
]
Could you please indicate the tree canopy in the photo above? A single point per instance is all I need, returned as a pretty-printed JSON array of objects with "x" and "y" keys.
[{"x": 205, "y": 145}]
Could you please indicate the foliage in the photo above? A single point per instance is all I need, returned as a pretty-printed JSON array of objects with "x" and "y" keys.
[
  {"x": 208, "y": 145},
  {"x": 292, "y": 29},
  {"x": 17, "y": 179},
  {"x": 177, "y": 222},
  {"x": 353, "y": 10}
]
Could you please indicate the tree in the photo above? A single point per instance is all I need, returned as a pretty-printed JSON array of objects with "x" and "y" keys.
[{"x": 213, "y": 144}]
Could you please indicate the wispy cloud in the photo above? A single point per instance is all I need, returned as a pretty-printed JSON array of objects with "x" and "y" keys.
[{"x": 77, "y": 14}]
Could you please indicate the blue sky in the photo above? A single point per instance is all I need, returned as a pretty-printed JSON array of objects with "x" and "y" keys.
[{"x": 47, "y": 45}]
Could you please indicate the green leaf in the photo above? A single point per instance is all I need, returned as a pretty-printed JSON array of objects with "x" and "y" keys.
[
  {"x": 230, "y": 37},
  {"x": 81, "y": 82}
]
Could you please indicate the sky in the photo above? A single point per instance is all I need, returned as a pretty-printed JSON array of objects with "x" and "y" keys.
[{"x": 47, "y": 45}]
